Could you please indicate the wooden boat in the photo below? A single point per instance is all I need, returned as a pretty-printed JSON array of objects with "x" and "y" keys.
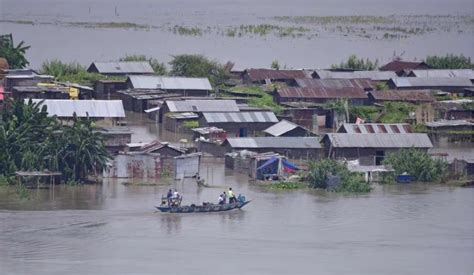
[{"x": 205, "y": 207}]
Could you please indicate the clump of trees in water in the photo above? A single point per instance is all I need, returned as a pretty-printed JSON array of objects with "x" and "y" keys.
[
  {"x": 418, "y": 164},
  {"x": 32, "y": 141},
  {"x": 355, "y": 63},
  {"x": 158, "y": 67},
  {"x": 196, "y": 65},
  {"x": 450, "y": 61},
  {"x": 350, "y": 181}
]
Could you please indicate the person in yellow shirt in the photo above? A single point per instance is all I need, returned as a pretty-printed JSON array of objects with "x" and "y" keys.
[{"x": 231, "y": 195}]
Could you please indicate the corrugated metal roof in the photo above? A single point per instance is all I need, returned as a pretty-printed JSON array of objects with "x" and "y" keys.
[
  {"x": 327, "y": 93},
  {"x": 83, "y": 108},
  {"x": 280, "y": 128},
  {"x": 274, "y": 142},
  {"x": 240, "y": 117},
  {"x": 466, "y": 73},
  {"x": 343, "y": 140},
  {"x": 262, "y": 74},
  {"x": 374, "y": 75},
  {"x": 169, "y": 83},
  {"x": 403, "y": 95},
  {"x": 335, "y": 83},
  {"x": 123, "y": 67},
  {"x": 371, "y": 128},
  {"x": 451, "y": 123},
  {"x": 402, "y": 82},
  {"x": 205, "y": 105},
  {"x": 398, "y": 65}
]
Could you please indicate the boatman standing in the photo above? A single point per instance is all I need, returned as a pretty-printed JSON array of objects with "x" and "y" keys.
[{"x": 231, "y": 195}]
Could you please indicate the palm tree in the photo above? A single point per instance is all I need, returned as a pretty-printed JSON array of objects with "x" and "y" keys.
[{"x": 15, "y": 55}]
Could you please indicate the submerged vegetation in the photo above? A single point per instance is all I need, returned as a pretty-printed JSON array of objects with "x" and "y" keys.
[
  {"x": 69, "y": 72},
  {"x": 158, "y": 67},
  {"x": 450, "y": 61},
  {"x": 418, "y": 164},
  {"x": 309, "y": 27},
  {"x": 355, "y": 63},
  {"x": 350, "y": 181},
  {"x": 195, "y": 65}
]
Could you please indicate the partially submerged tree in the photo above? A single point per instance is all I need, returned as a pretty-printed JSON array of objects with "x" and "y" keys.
[
  {"x": 355, "y": 63},
  {"x": 450, "y": 61},
  {"x": 194, "y": 65},
  {"x": 15, "y": 55},
  {"x": 418, "y": 164},
  {"x": 158, "y": 67}
]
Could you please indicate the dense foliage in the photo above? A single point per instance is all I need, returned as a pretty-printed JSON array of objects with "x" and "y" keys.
[
  {"x": 15, "y": 55},
  {"x": 396, "y": 112},
  {"x": 32, "y": 141},
  {"x": 350, "y": 181},
  {"x": 450, "y": 61},
  {"x": 419, "y": 164},
  {"x": 194, "y": 65},
  {"x": 70, "y": 72},
  {"x": 355, "y": 63},
  {"x": 158, "y": 67}
]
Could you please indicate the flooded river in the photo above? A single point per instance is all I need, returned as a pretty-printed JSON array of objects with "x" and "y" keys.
[
  {"x": 68, "y": 30},
  {"x": 113, "y": 229}
]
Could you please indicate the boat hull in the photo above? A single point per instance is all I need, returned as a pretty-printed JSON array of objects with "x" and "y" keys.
[{"x": 202, "y": 208}]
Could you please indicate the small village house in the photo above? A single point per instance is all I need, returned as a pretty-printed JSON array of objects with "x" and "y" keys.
[
  {"x": 381, "y": 76},
  {"x": 122, "y": 68},
  {"x": 357, "y": 96},
  {"x": 287, "y": 128},
  {"x": 197, "y": 106},
  {"x": 180, "y": 122},
  {"x": 239, "y": 124},
  {"x": 375, "y": 128},
  {"x": 415, "y": 96},
  {"x": 447, "y": 84},
  {"x": 266, "y": 76},
  {"x": 364, "y": 83},
  {"x": 307, "y": 148},
  {"x": 108, "y": 112},
  {"x": 400, "y": 67},
  {"x": 106, "y": 89},
  {"x": 116, "y": 138},
  {"x": 210, "y": 134},
  {"x": 371, "y": 149},
  {"x": 185, "y": 86},
  {"x": 442, "y": 73},
  {"x": 138, "y": 100}
]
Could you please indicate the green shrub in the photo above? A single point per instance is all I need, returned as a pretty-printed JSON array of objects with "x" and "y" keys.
[
  {"x": 350, "y": 181},
  {"x": 158, "y": 67},
  {"x": 190, "y": 124},
  {"x": 418, "y": 164},
  {"x": 450, "y": 61},
  {"x": 355, "y": 63}
]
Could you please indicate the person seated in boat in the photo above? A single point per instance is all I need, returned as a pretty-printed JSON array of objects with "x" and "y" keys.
[
  {"x": 169, "y": 195},
  {"x": 231, "y": 196},
  {"x": 224, "y": 196},
  {"x": 221, "y": 199}
]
